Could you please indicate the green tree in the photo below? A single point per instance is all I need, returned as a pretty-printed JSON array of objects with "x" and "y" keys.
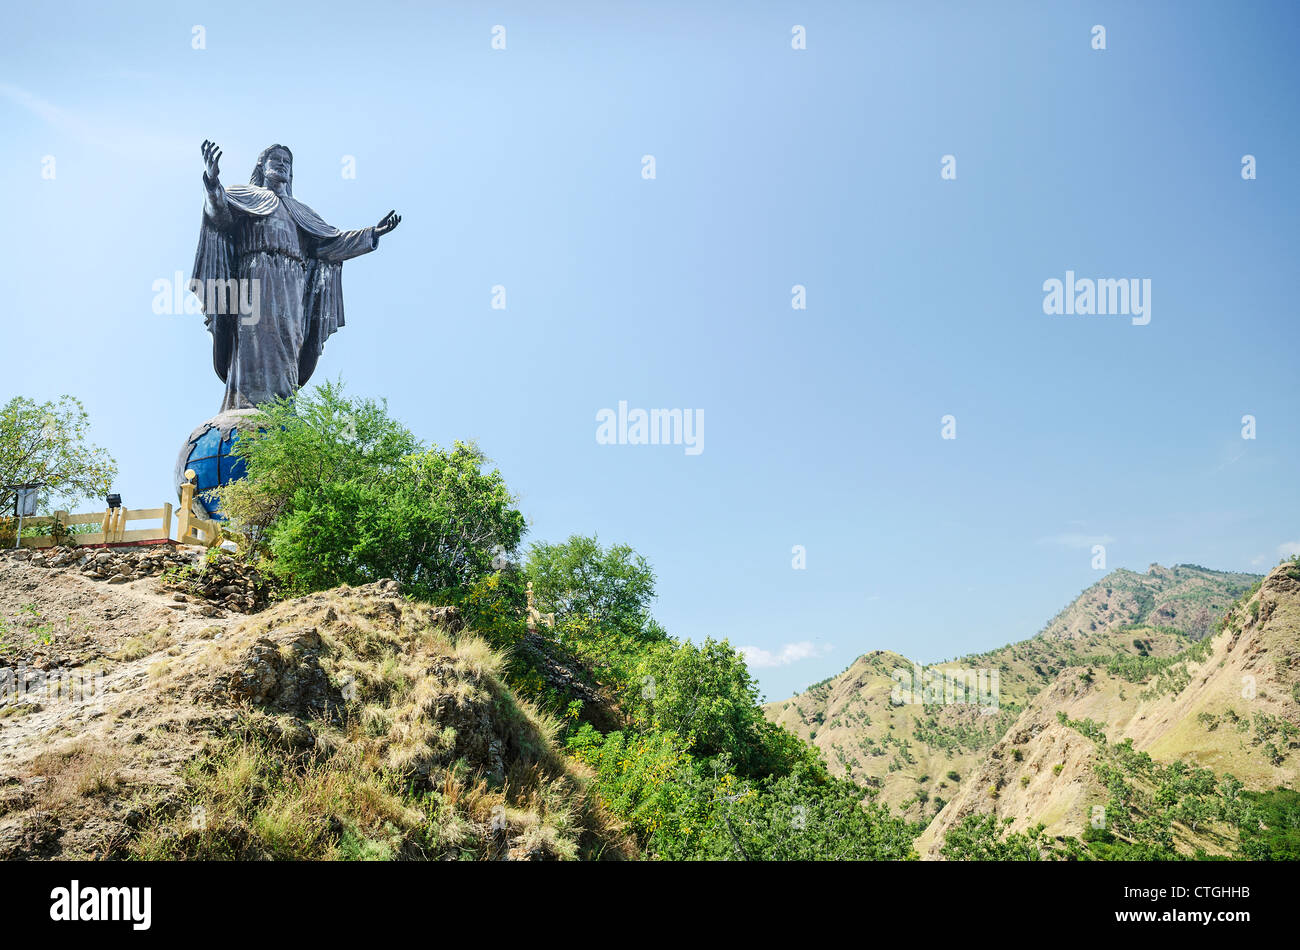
[
  {"x": 600, "y": 597},
  {"x": 685, "y": 808},
  {"x": 1270, "y": 831},
  {"x": 608, "y": 586},
  {"x": 47, "y": 443},
  {"x": 706, "y": 692}
]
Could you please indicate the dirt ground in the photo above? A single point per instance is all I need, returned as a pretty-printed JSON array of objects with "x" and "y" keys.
[{"x": 80, "y": 714}]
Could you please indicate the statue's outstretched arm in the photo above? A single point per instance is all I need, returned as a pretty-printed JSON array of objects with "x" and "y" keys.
[
  {"x": 347, "y": 245},
  {"x": 350, "y": 244},
  {"x": 215, "y": 206}
]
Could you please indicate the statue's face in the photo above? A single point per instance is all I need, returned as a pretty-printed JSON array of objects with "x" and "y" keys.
[{"x": 279, "y": 167}]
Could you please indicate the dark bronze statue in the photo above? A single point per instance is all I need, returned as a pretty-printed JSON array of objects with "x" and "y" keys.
[{"x": 269, "y": 272}]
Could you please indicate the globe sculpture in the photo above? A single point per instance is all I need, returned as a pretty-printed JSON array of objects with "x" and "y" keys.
[{"x": 208, "y": 451}]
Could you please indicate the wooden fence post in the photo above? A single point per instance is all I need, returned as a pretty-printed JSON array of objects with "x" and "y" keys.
[{"x": 187, "y": 506}]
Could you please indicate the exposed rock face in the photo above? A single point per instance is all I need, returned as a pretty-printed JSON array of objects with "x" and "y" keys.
[
  {"x": 568, "y": 678},
  {"x": 283, "y": 674}
]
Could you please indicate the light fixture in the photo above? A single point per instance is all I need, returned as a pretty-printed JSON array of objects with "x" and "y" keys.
[{"x": 115, "y": 501}]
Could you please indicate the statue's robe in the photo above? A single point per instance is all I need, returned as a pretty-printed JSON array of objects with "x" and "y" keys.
[{"x": 252, "y": 234}]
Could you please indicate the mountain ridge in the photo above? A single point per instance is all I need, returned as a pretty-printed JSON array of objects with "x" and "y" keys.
[
  {"x": 1097, "y": 749},
  {"x": 908, "y": 753}
]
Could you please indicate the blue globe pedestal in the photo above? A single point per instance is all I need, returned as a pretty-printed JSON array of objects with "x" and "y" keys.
[{"x": 208, "y": 452}]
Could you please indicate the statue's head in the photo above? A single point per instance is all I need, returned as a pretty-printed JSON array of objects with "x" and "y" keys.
[{"x": 275, "y": 164}]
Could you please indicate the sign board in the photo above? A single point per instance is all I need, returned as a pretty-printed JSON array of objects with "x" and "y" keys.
[{"x": 27, "y": 502}]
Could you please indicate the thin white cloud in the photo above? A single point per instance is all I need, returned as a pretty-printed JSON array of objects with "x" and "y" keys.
[
  {"x": 105, "y": 132},
  {"x": 787, "y": 654},
  {"x": 1232, "y": 461},
  {"x": 1288, "y": 549},
  {"x": 1077, "y": 540}
]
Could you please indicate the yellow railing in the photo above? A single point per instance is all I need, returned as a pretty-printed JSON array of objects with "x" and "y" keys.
[
  {"x": 191, "y": 528},
  {"x": 112, "y": 527}
]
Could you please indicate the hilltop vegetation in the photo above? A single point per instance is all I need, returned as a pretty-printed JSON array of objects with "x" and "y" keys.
[
  {"x": 671, "y": 732},
  {"x": 599, "y": 735},
  {"x": 690, "y": 762}
]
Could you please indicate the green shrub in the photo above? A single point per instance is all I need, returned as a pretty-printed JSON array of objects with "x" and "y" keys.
[
  {"x": 988, "y": 838},
  {"x": 684, "y": 808},
  {"x": 342, "y": 494}
]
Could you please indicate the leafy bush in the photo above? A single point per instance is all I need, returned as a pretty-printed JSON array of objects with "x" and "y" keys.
[
  {"x": 1276, "y": 834},
  {"x": 300, "y": 445},
  {"x": 342, "y": 494}
]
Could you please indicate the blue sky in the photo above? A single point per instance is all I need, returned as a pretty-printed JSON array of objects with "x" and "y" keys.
[{"x": 774, "y": 167}]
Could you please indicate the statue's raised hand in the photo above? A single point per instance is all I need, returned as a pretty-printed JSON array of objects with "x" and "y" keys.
[
  {"x": 211, "y": 160},
  {"x": 388, "y": 222}
]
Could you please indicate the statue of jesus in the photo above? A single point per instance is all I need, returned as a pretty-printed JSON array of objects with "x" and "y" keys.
[{"x": 258, "y": 235}]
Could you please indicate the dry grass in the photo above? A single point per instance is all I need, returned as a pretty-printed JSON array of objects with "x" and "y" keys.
[
  {"x": 433, "y": 757},
  {"x": 137, "y": 648},
  {"x": 73, "y": 773}
]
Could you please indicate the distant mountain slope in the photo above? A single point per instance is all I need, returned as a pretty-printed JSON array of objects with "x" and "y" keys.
[
  {"x": 919, "y": 756},
  {"x": 1231, "y": 705},
  {"x": 1183, "y": 597},
  {"x": 906, "y": 751}
]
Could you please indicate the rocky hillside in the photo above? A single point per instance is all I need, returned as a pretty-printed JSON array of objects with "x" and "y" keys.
[
  {"x": 146, "y": 712},
  {"x": 1184, "y": 597},
  {"x": 1230, "y": 706},
  {"x": 920, "y": 755}
]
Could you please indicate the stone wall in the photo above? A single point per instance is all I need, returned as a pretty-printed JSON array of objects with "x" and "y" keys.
[{"x": 191, "y": 572}]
